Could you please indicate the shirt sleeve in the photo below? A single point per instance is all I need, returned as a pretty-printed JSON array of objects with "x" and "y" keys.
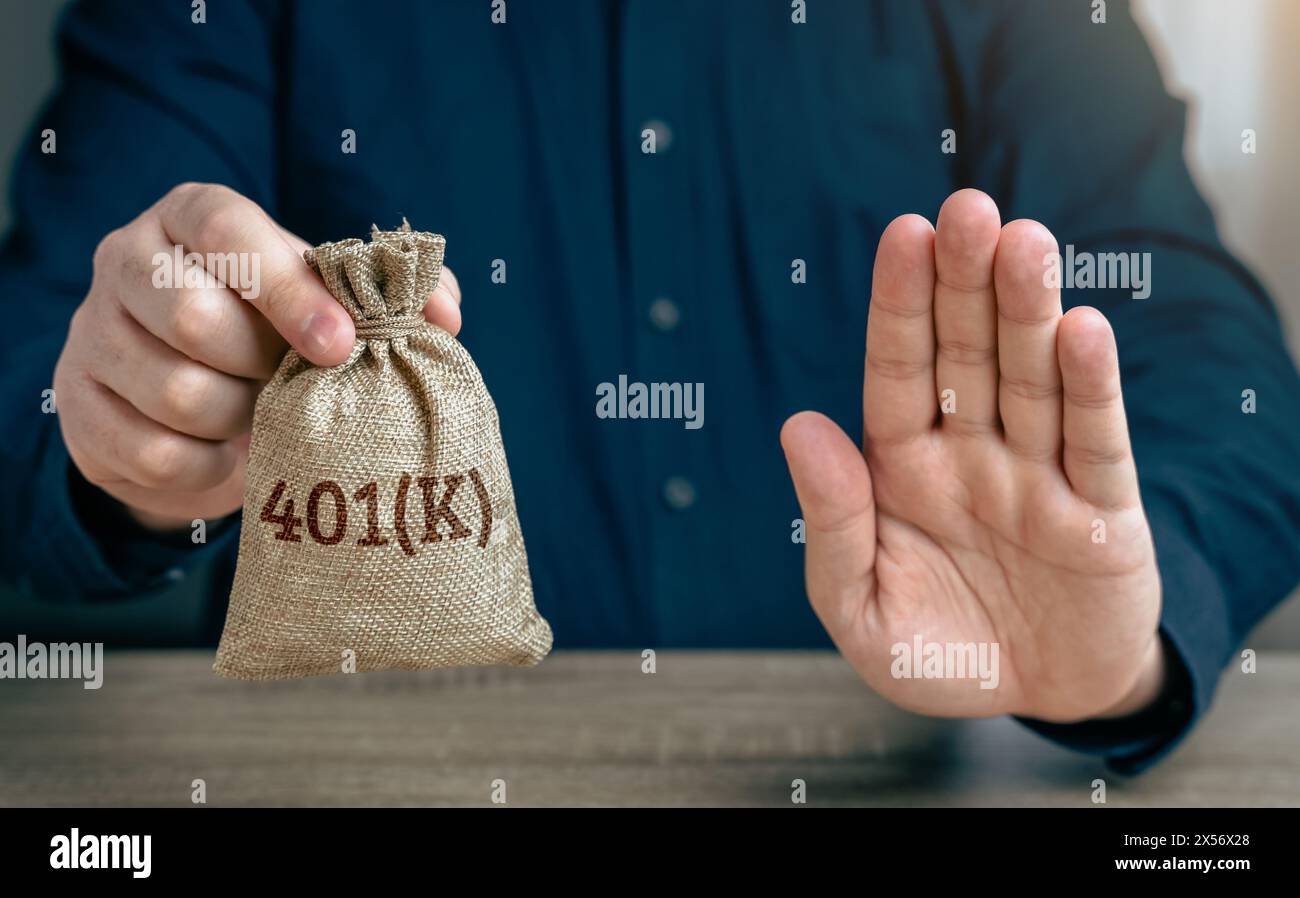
[
  {"x": 147, "y": 99},
  {"x": 1066, "y": 121}
]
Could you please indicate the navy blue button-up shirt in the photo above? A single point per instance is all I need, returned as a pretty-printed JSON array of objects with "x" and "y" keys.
[{"x": 737, "y": 255}]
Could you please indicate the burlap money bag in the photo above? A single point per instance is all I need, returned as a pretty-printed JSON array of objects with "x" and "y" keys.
[{"x": 379, "y": 526}]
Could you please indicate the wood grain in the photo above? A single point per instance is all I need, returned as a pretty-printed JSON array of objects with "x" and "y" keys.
[{"x": 731, "y": 728}]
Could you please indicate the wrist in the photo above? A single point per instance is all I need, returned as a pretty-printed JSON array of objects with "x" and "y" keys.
[{"x": 1147, "y": 688}]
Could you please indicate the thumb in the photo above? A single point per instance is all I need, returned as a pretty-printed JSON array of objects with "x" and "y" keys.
[{"x": 833, "y": 484}]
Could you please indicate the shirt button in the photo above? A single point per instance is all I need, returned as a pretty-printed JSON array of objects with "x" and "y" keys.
[
  {"x": 664, "y": 314},
  {"x": 663, "y": 134},
  {"x": 679, "y": 493}
]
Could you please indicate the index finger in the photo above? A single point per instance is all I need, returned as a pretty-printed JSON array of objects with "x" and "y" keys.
[{"x": 216, "y": 222}]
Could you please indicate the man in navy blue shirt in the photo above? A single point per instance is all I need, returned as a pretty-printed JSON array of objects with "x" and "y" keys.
[{"x": 697, "y": 194}]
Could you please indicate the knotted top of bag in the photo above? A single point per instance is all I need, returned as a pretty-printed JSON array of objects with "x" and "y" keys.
[{"x": 385, "y": 283}]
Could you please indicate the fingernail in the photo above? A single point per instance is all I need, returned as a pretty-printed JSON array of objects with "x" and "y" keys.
[{"x": 319, "y": 332}]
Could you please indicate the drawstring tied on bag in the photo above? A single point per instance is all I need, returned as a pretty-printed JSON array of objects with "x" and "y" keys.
[{"x": 389, "y": 328}]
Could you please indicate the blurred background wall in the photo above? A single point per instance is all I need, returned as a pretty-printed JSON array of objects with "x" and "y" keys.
[
  {"x": 26, "y": 75},
  {"x": 1234, "y": 61}
]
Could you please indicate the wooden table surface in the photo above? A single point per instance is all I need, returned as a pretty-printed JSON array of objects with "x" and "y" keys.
[{"x": 732, "y": 728}]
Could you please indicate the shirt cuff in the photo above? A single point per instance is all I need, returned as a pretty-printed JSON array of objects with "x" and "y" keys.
[{"x": 91, "y": 549}]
